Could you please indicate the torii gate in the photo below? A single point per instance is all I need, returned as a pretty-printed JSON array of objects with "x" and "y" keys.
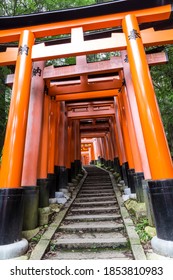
[{"x": 130, "y": 15}]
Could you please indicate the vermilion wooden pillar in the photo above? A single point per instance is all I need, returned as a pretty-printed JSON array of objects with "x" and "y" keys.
[
  {"x": 125, "y": 133},
  {"x": 57, "y": 134},
  {"x": 156, "y": 145},
  {"x": 11, "y": 195},
  {"x": 108, "y": 152},
  {"x": 72, "y": 148},
  {"x": 161, "y": 167},
  {"x": 116, "y": 160},
  {"x": 69, "y": 139},
  {"x": 33, "y": 133},
  {"x": 111, "y": 150},
  {"x": 96, "y": 154},
  {"x": 43, "y": 154},
  {"x": 101, "y": 151},
  {"x": 98, "y": 150},
  {"x": 135, "y": 165},
  {"x": 51, "y": 148},
  {"x": 32, "y": 145},
  {"x": 135, "y": 115},
  {"x": 42, "y": 170},
  {"x": 62, "y": 177},
  {"x": 77, "y": 147},
  {"x": 121, "y": 146},
  {"x": 105, "y": 151}
]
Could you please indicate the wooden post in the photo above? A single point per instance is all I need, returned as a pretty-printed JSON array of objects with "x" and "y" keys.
[
  {"x": 32, "y": 143},
  {"x": 13, "y": 152},
  {"x": 155, "y": 140},
  {"x": 135, "y": 115}
]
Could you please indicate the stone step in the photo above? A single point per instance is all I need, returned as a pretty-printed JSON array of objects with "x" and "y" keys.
[
  {"x": 95, "y": 184},
  {"x": 98, "y": 183},
  {"x": 98, "y": 226},
  {"x": 97, "y": 188},
  {"x": 108, "y": 217},
  {"x": 94, "y": 203},
  {"x": 99, "y": 194},
  {"x": 77, "y": 243},
  {"x": 96, "y": 198},
  {"x": 94, "y": 210},
  {"x": 95, "y": 192},
  {"x": 89, "y": 254}
]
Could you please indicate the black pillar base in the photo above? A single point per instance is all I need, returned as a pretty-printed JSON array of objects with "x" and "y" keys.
[
  {"x": 161, "y": 193},
  {"x": 78, "y": 167},
  {"x": 73, "y": 175},
  {"x": 11, "y": 215},
  {"x": 43, "y": 193},
  {"x": 138, "y": 177},
  {"x": 31, "y": 199},
  {"x": 51, "y": 178},
  {"x": 117, "y": 165},
  {"x": 102, "y": 160},
  {"x": 125, "y": 168},
  {"x": 92, "y": 162},
  {"x": 131, "y": 184},
  {"x": 61, "y": 178},
  {"x": 56, "y": 172},
  {"x": 99, "y": 160},
  {"x": 69, "y": 174}
]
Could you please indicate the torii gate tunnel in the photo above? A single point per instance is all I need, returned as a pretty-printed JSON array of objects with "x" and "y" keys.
[{"x": 107, "y": 109}]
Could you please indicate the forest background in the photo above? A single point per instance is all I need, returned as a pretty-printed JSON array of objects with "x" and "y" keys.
[{"x": 162, "y": 75}]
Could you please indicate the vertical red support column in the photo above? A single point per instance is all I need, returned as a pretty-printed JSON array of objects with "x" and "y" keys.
[
  {"x": 108, "y": 153},
  {"x": 57, "y": 133},
  {"x": 33, "y": 133},
  {"x": 161, "y": 187},
  {"x": 116, "y": 160},
  {"x": 13, "y": 152},
  {"x": 92, "y": 153},
  {"x": 72, "y": 147},
  {"x": 125, "y": 133},
  {"x": 98, "y": 147},
  {"x": 11, "y": 201},
  {"x": 62, "y": 178},
  {"x": 96, "y": 153},
  {"x": 32, "y": 145},
  {"x": 51, "y": 149},
  {"x": 121, "y": 146},
  {"x": 135, "y": 115},
  {"x": 43, "y": 154},
  {"x": 42, "y": 170},
  {"x": 69, "y": 137},
  {"x": 105, "y": 150},
  {"x": 101, "y": 151},
  {"x": 77, "y": 147},
  {"x": 156, "y": 145}
]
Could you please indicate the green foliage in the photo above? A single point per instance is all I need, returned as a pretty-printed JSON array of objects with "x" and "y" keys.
[
  {"x": 18, "y": 7},
  {"x": 5, "y": 95},
  {"x": 140, "y": 229},
  {"x": 162, "y": 76}
]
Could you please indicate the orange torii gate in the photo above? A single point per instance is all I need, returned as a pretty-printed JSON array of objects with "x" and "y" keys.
[{"x": 132, "y": 16}]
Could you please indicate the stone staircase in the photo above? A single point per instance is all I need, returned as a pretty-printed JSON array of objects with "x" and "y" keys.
[{"x": 92, "y": 228}]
